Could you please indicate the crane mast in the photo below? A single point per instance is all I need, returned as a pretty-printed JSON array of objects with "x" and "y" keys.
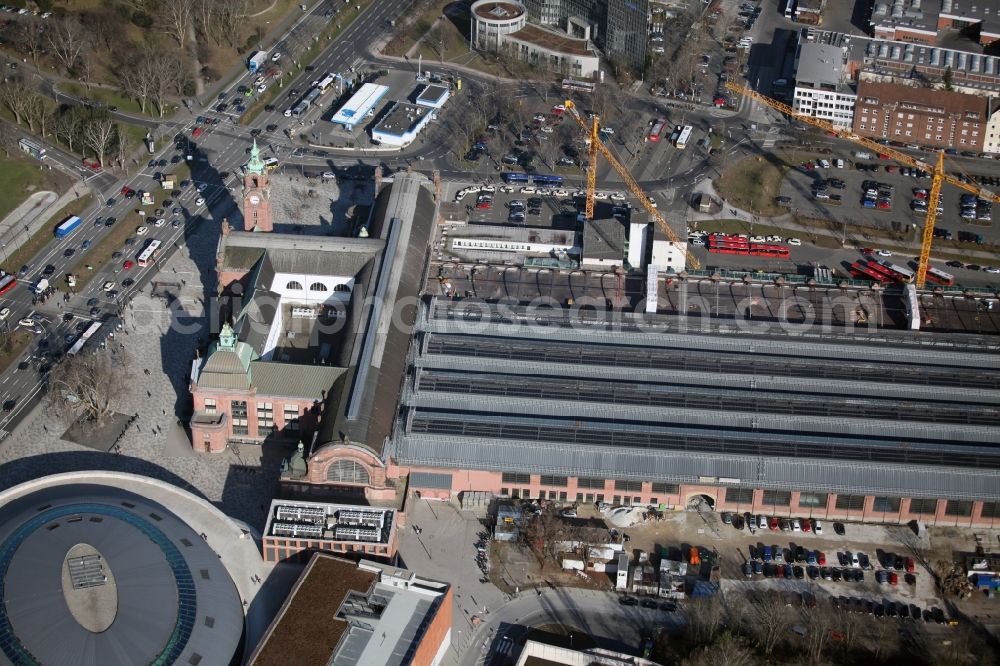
[
  {"x": 938, "y": 175},
  {"x": 596, "y": 145}
]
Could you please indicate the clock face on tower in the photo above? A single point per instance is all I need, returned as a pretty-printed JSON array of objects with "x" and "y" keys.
[{"x": 254, "y": 199}]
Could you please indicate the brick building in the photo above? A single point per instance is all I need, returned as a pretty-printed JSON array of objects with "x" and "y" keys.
[
  {"x": 359, "y": 614},
  {"x": 923, "y": 116}
]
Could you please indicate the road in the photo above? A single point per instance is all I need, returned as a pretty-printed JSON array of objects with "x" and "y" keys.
[{"x": 598, "y": 614}]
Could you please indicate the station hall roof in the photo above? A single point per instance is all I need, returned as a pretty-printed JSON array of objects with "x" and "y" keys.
[{"x": 661, "y": 397}]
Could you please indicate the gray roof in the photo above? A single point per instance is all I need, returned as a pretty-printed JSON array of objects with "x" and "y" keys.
[
  {"x": 856, "y": 412},
  {"x": 299, "y": 381},
  {"x": 819, "y": 66},
  {"x": 433, "y": 480},
  {"x": 175, "y": 599},
  {"x": 365, "y": 404},
  {"x": 604, "y": 239}
]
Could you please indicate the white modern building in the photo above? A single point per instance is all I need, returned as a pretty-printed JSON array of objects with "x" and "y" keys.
[
  {"x": 820, "y": 90},
  {"x": 991, "y": 144},
  {"x": 402, "y": 124},
  {"x": 362, "y": 105},
  {"x": 503, "y": 26}
]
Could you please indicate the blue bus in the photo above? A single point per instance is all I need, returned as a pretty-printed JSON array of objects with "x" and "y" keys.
[
  {"x": 547, "y": 181},
  {"x": 515, "y": 177},
  {"x": 68, "y": 226}
]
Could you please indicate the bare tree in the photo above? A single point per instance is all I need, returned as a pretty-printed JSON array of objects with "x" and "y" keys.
[
  {"x": 177, "y": 18},
  {"x": 9, "y": 137},
  {"x": 121, "y": 146},
  {"x": 16, "y": 96},
  {"x": 136, "y": 83},
  {"x": 543, "y": 533},
  {"x": 163, "y": 72},
  {"x": 86, "y": 387},
  {"x": 31, "y": 39},
  {"x": 704, "y": 617},
  {"x": 727, "y": 650},
  {"x": 66, "y": 40},
  {"x": 38, "y": 113},
  {"x": 67, "y": 126},
  {"x": 819, "y": 621},
  {"x": 767, "y": 619},
  {"x": 97, "y": 135}
]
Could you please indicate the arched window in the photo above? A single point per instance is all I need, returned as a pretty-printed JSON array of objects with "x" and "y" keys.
[
  {"x": 347, "y": 471},
  {"x": 317, "y": 286},
  {"x": 293, "y": 285},
  {"x": 342, "y": 288}
]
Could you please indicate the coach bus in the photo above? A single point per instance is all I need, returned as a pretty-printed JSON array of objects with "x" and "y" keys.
[
  {"x": 515, "y": 177},
  {"x": 32, "y": 148},
  {"x": 7, "y": 282},
  {"x": 900, "y": 273},
  {"x": 684, "y": 137},
  {"x": 325, "y": 83},
  {"x": 940, "y": 277},
  {"x": 82, "y": 340},
  {"x": 546, "y": 180},
  {"x": 579, "y": 86},
  {"x": 149, "y": 253}
]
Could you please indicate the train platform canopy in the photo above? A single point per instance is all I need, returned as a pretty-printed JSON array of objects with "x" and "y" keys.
[{"x": 361, "y": 103}]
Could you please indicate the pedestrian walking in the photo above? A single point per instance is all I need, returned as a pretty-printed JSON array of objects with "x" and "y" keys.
[
  {"x": 137, "y": 428},
  {"x": 148, "y": 394}
]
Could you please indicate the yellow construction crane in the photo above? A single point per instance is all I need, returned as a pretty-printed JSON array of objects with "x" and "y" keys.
[
  {"x": 593, "y": 131},
  {"x": 937, "y": 170}
]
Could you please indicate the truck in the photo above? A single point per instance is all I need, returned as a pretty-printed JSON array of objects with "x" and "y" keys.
[
  {"x": 256, "y": 61},
  {"x": 68, "y": 226}
]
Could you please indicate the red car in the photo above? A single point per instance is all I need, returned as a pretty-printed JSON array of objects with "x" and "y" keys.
[
  {"x": 91, "y": 164},
  {"x": 484, "y": 204},
  {"x": 773, "y": 524},
  {"x": 196, "y": 133},
  {"x": 893, "y": 578},
  {"x": 127, "y": 191},
  {"x": 910, "y": 566},
  {"x": 890, "y": 168},
  {"x": 820, "y": 558},
  {"x": 883, "y": 205},
  {"x": 806, "y": 525},
  {"x": 919, "y": 192},
  {"x": 128, "y": 264}
]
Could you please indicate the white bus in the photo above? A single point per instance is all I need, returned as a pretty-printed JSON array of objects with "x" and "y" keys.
[
  {"x": 82, "y": 340},
  {"x": 32, "y": 148},
  {"x": 149, "y": 253},
  {"x": 684, "y": 137},
  {"x": 325, "y": 83}
]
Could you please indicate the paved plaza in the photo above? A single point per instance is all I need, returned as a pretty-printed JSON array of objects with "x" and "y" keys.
[{"x": 162, "y": 339}]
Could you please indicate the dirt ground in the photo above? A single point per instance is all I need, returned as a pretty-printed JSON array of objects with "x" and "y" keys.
[{"x": 705, "y": 529}]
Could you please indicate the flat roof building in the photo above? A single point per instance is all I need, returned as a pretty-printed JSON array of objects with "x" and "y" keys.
[
  {"x": 402, "y": 124},
  {"x": 361, "y": 105},
  {"x": 96, "y": 572},
  {"x": 294, "y": 529},
  {"x": 359, "y": 614},
  {"x": 925, "y": 116},
  {"x": 820, "y": 88},
  {"x": 433, "y": 96}
]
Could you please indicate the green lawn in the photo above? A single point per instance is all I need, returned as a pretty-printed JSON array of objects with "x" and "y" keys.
[
  {"x": 14, "y": 346},
  {"x": 753, "y": 183},
  {"x": 20, "y": 176},
  {"x": 113, "y": 98},
  {"x": 43, "y": 236}
]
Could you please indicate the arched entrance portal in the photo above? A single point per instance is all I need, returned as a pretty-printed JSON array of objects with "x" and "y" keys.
[{"x": 700, "y": 503}]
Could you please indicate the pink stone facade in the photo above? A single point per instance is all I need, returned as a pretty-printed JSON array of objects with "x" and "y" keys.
[
  {"x": 830, "y": 506},
  {"x": 265, "y": 416}
]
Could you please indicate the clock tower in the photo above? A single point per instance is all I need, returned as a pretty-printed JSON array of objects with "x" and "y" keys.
[{"x": 256, "y": 194}]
